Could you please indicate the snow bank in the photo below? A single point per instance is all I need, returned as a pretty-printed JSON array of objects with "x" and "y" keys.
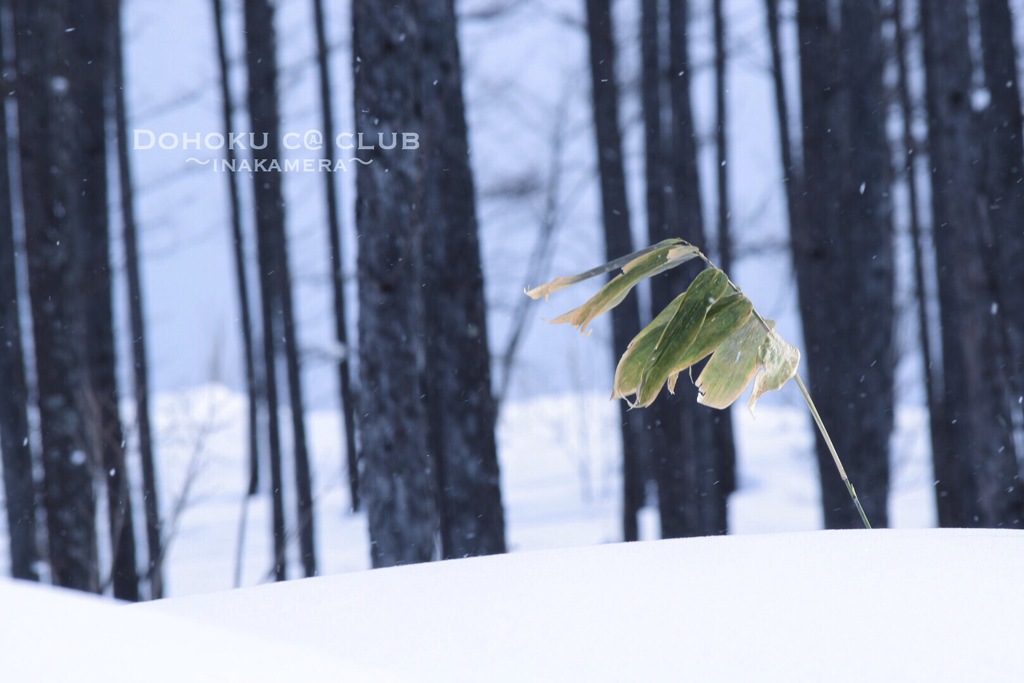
[
  {"x": 50, "y": 635},
  {"x": 922, "y": 605}
]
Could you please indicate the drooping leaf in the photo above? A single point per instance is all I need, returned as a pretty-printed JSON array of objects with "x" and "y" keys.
[
  {"x": 752, "y": 352},
  {"x": 613, "y": 293},
  {"x": 780, "y": 360},
  {"x": 725, "y": 317},
  {"x": 680, "y": 333},
  {"x": 546, "y": 290},
  {"x": 646, "y": 366},
  {"x": 732, "y": 366},
  {"x": 711, "y": 317},
  {"x": 631, "y": 366}
]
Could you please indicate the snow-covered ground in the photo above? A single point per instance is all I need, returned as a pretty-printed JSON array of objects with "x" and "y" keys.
[
  {"x": 923, "y": 605},
  {"x": 840, "y": 606},
  {"x": 777, "y": 601}
]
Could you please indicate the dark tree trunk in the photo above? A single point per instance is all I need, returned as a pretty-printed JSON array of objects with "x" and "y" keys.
[
  {"x": 19, "y": 483},
  {"x": 337, "y": 262},
  {"x": 461, "y": 410},
  {"x": 273, "y": 238},
  {"x": 668, "y": 422},
  {"x": 140, "y": 364},
  {"x": 262, "y": 95},
  {"x": 238, "y": 252},
  {"x": 90, "y": 81},
  {"x": 862, "y": 395},
  {"x": 303, "y": 474},
  {"x": 791, "y": 176},
  {"x": 249, "y": 341},
  {"x": 691, "y": 495},
  {"x": 655, "y": 181},
  {"x": 979, "y": 486},
  {"x": 721, "y": 137},
  {"x": 1004, "y": 178},
  {"x": 275, "y": 278},
  {"x": 48, "y": 120},
  {"x": 725, "y": 441},
  {"x": 398, "y": 481},
  {"x": 939, "y": 427},
  {"x": 843, "y": 250},
  {"x": 812, "y": 237},
  {"x": 615, "y": 219}
]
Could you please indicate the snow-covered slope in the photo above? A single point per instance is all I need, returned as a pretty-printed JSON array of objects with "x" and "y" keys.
[
  {"x": 50, "y": 635},
  {"x": 924, "y": 605}
]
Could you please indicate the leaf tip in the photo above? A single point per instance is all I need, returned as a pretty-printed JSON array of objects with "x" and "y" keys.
[{"x": 539, "y": 292}]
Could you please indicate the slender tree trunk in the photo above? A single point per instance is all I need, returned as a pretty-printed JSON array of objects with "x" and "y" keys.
[
  {"x": 461, "y": 409},
  {"x": 843, "y": 249},
  {"x": 303, "y": 473},
  {"x": 89, "y": 86},
  {"x": 615, "y": 218},
  {"x": 863, "y": 396},
  {"x": 721, "y": 137},
  {"x": 980, "y": 486},
  {"x": 690, "y": 492},
  {"x": 140, "y": 365},
  {"x": 249, "y": 342},
  {"x": 397, "y": 481},
  {"x": 262, "y": 96},
  {"x": 238, "y": 252},
  {"x": 939, "y": 428},
  {"x": 725, "y": 441},
  {"x": 48, "y": 139},
  {"x": 19, "y": 482},
  {"x": 812, "y": 238},
  {"x": 1003, "y": 184},
  {"x": 337, "y": 262},
  {"x": 656, "y": 182},
  {"x": 670, "y": 419},
  {"x": 273, "y": 239},
  {"x": 792, "y": 179}
]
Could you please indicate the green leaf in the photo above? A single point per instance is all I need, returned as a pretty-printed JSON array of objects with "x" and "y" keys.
[
  {"x": 732, "y": 366},
  {"x": 546, "y": 290},
  {"x": 631, "y": 366},
  {"x": 613, "y": 293},
  {"x": 680, "y": 333},
  {"x": 646, "y": 366},
  {"x": 724, "y": 318},
  {"x": 752, "y": 352}
]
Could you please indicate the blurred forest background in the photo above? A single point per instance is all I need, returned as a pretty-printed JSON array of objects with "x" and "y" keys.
[{"x": 857, "y": 165}]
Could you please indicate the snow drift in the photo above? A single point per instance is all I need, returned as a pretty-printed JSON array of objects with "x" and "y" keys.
[{"x": 924, "y": 605}]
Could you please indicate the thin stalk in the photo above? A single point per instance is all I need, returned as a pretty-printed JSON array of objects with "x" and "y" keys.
[
  {"x": 810, "y": 406},
  {"x": 831, "y": 449}
]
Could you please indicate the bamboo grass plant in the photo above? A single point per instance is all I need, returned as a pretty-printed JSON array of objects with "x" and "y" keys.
[{"x": 711, "y": 318}]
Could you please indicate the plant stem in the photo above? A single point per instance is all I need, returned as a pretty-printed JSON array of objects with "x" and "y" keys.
[
  {"x": 831, "y": 449},
  {"x": 810, "y": 405}
]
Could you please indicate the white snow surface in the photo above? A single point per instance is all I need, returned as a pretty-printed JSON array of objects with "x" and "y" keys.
[
  {"x": 781, "y": 600},
  {"x": 52, "y": 635},
  {"x": 884, "y": 605}
]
